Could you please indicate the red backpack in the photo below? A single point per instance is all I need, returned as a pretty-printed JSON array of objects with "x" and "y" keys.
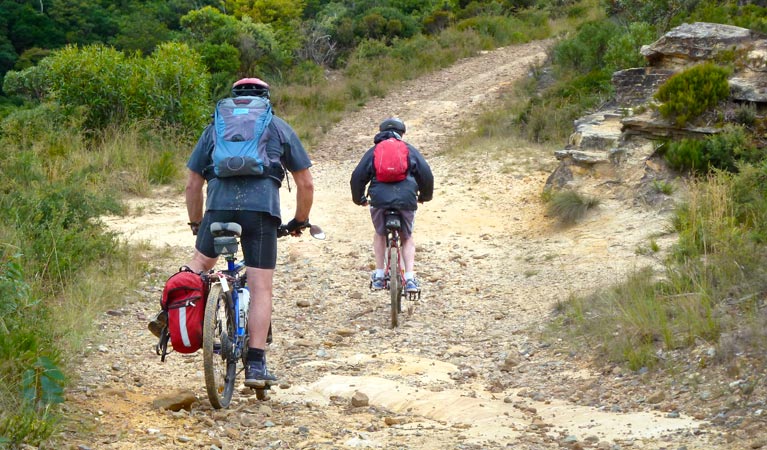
[
  {"x": 183, "y": 298},
  {"x": 390, "y": 160}
]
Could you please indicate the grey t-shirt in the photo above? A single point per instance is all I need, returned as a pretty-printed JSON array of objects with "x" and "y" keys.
[{"x": 250, "y": 193}]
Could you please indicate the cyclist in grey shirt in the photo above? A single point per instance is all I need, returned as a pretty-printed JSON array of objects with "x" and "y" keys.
[{"x": 254, "y": 203}]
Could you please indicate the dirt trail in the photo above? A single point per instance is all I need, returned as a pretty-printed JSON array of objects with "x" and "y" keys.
[{"x": 464, "y": 371}]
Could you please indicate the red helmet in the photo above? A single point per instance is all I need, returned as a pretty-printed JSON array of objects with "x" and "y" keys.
[{"x": 251, "y": 87}]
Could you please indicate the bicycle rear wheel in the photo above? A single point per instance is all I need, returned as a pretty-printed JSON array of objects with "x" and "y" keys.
[
  {"x": 395, "y": 286},
  {"x": 219, "y": 360}
]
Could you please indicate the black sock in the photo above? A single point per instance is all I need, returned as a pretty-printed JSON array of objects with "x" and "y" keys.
[{"x": 255, "y": 354}]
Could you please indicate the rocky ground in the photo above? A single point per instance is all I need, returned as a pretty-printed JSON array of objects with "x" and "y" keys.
[{"x": 470, "y": 368}]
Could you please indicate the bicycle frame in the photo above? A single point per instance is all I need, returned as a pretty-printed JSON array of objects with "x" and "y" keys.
[
  {"x": 393, "y": 244},
  {"x": 231, "y": 273},
  {"x": 225, "y": 329}
]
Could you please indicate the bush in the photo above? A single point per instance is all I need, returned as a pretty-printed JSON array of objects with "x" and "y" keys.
[
  {"x": 690, "y": 93},
  {"x": 722, "y": 151},
  {"x": 549, "y": 115},
  {"x": 748, "y": 16},
  {"x": 623, "y": 50},
  {"x": 99, "y": 86},
  {"x": 585, "y": 52},
  {"x": 501, "y": 29}
]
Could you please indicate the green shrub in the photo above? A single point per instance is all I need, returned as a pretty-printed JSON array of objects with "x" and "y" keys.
[
  {"x": 15, "y": 294},
  {"x": 585, "y": 52},
  {"x": 663, "y": 187},
  {"x": 30, "y": 83},
  {"x": 501, "y": 29},
  {"x": 690, "y": 93},
  {"x": 749, "y": 16},
  {"x": 25, "y": 425},
  {"x": 220, "y": 57},
  {"x": 26, "y": 126},
  {"x": 549, "y": 115},
  {"x": 623, "y": 49},
  {"x": 164, "y": 170},
  {"x": 371, "y": 48},
  {"x": 722, "y": 151},
  {"x": 662, "y": 13},
  {"x": 745, "y": 114},
  {"x": 749, "y": 197},
  {"x": 97, "y": 86},
  {"x": 686, "y": 155}
]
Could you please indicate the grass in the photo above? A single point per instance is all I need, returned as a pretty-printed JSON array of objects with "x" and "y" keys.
[
  {"x": 663, "y": 187},
  {"x": 568, "y": 207},
  {"x": 652, "y": 247},
  {"x": 59, "y": 268},
  {"x": 57, "y": 327},
  {"x": 709, "y": 289}
]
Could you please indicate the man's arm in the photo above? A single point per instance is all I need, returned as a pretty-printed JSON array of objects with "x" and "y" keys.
[
  {"x": 361, "y": 176},
  {"x": 194, "y": 198},
  {"x": 423, "y": 177},
  {"x": 304, "y": 194}
]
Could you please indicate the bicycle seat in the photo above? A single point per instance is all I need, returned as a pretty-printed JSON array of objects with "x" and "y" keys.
[
  {"x": 225, "y": 229},
  {"x": 392, "y": 220},
  {"x": 225, "y": 236}
]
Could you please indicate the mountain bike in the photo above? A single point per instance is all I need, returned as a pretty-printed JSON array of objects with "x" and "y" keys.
[
  {"x": 225, "y": 327},
  {"x": 394, "y": 269}
]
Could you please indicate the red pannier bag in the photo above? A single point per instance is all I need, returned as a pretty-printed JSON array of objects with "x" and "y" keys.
[{"x": 183, "y": 298}]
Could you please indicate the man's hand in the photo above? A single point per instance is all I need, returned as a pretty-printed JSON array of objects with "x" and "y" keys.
[
  {"x": 195, "y": 226},
  {"x": 294, "y": 227}
]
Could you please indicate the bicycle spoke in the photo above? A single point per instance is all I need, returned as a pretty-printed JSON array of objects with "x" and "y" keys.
[{"x": 219, "y": 361}]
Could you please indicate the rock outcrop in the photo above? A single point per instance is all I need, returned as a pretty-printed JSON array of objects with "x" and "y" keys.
[{"x": 615, "y": 149}]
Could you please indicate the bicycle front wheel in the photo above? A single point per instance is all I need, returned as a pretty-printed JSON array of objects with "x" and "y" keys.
[
  {"x": 218, "y": 356},
  {"x": 395, "y": 286}
]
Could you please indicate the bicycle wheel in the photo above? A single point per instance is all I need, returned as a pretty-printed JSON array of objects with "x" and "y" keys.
[
  {"x": 395, "y": 286},
  {"x": 218, "y": 357}
]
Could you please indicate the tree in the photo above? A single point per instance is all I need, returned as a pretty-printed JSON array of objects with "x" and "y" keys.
[
  {"x": 106, "y": 87},
  {"x": 208, "y": 23},
  {"x": 141, "y": 32},
  {"x": 267, "y": 11},
  {"x": 83, "y": 21},
  {"x": 26, "y": 27}
]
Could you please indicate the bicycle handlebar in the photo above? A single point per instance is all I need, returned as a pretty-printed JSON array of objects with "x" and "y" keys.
[{"x": 314, "y": 230}]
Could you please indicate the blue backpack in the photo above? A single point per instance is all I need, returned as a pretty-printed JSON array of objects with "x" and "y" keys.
[{"x": 240, "y": 147}]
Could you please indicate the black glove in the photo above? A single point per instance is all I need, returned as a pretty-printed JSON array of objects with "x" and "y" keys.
[
  {"x": 294, "y": 227},
  {"x": 195, "y": 226}
]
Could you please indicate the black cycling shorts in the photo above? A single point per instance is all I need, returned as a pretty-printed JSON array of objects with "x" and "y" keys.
[{"x": 258, "y": 241}]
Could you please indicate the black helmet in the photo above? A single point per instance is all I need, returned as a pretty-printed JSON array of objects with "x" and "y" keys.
[
  {"x": 392, "y": 124},
  {"x": 250, "y": 87}
]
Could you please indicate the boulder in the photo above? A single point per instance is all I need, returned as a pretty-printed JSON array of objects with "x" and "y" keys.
[{"x": 691, "y": 43}]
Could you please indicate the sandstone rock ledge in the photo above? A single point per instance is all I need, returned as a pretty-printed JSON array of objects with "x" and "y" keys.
[{"x": 614, "y": 152}]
